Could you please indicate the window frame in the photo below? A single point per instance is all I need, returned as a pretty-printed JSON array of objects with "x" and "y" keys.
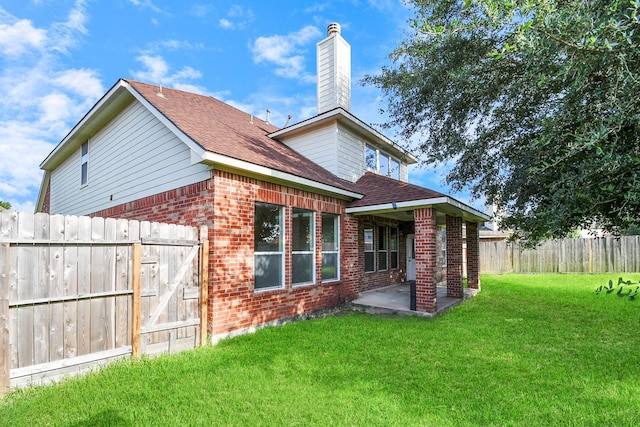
[
  {"x": 383, "y": 248},
  {"x": 372, "y": 251},
  {"x": 311, "y": 249},
  {"x": 336, "y": 243},
  {"x": 281, "y": 248},
  {"x": 443, "y": 235},
  {"x": 84, "y": 164},
  {"x": 393, "y": 253}
]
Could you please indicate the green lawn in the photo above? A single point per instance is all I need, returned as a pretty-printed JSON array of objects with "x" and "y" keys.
[{"x": 530, "y": 350}]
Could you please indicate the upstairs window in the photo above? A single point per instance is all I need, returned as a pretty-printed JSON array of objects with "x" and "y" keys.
[
  {"x": 383, "y": 169},
  {"x": 371, "y": 158},
  {"x": 382, "y": 163},
  {"x": 394, "y": 169},
  {"x": 303, "y": 247},
  {"x": 268, "y": 246},
  {"x": 84, "y": 162}
]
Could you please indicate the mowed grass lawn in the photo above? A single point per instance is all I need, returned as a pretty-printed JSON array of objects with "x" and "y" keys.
[{"x": 530, "y": 350}]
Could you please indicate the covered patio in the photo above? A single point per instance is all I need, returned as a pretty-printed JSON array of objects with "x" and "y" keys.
[
  {"x": 396, "y": 299},
  {"x": 422, "y": 215}
]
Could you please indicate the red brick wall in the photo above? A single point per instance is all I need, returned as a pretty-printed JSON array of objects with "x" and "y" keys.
[
  {"x": 473, "y": 256},
  {"x": 454, "y": 257},
  {"x": 426, "y": 234},
  {"x": 226, "y": 204}
]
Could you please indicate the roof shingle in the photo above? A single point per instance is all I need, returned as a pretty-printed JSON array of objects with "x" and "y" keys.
[
  {"x": 381, "y": 190},
  {"x": 222, "y": 129}
]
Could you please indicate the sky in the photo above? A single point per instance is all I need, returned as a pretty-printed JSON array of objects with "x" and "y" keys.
[{"x": 58, "y": 57}]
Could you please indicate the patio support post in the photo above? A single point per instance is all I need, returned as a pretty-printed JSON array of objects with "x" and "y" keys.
[
  {"x": 473, "y": 256},
  {"x": 425, "y": 228},
  {"x": 454, "y": 257}
]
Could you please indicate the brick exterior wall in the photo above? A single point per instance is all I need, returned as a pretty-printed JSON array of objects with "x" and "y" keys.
[
  {"x": 473, "y": 256},
  {"x": 226, "y": 205},
  {"x": 379, "y": 279},
  {"x": 454, "y": 257},
  {"x": 426, "y": 234}
]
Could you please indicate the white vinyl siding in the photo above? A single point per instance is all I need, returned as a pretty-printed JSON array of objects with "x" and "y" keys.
[
  {"x": 350, "y": 155},
  {"x": 334, "y": 74},
  {"x": 319, "y": 146},
  {"x": 132, "y": 157}
]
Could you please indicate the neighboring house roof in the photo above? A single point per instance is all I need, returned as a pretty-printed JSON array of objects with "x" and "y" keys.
[{"x": 390, "y": 197}]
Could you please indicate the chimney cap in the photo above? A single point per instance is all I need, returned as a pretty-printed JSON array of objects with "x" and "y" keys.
[{"x": 333, "y": 28}]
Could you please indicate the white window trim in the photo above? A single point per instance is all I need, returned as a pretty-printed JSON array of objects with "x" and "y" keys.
[
  {"x": 391, "y": 251},
  {"x": 84, "y": 160},
  {"x": 373, "y": 250},
  {"x": 312, "y": 252},
  {"x": 389, "y": 157},
  {"x": 385, "y": 250},
  {"x": 281, "y": 252},
  {"x": 336, "y": 219}
]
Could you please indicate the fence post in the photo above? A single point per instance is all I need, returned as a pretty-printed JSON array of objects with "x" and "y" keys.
[
  {"x": 136, "y": 317},
  {"x": 204, "y": 284},
  {"x": 5, "y": 274}
]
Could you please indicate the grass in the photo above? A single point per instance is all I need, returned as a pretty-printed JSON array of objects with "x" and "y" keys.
[{"x": 528, "y": 350}]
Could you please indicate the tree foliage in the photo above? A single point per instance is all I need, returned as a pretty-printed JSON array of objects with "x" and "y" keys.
[
  {"x": 5, "y": 205},
  {"x": 537, "y": 103}
]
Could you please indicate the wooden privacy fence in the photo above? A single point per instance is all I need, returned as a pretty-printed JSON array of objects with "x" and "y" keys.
[
  {"x": 78, "y": 292},
  {"x": 597, "y": 255}
]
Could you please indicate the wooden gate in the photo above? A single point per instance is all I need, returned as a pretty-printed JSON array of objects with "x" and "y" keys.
[{"x": 77, "y": 292}]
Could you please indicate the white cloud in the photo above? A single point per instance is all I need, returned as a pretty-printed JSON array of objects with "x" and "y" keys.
[
  {"x": 287, "y": 52},
  {"x": 19, "y": 37},
  {"x": 146, "y": 4},
  {"x": 157, "y": 71},
  {"x": 41, "y": 100},
  {"x": 237, "y": 17}
]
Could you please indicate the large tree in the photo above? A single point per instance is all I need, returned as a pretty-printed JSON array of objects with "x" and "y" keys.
[{"x": 537, "y": 103}]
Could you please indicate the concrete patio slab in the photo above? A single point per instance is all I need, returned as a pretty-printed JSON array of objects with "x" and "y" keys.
[{"x": 395, "y": 299}]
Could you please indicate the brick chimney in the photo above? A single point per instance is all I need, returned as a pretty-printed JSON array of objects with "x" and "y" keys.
[{"x": 334, "y": 71}]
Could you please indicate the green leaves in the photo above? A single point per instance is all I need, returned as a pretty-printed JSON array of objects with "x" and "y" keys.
[{"x": 536, "y": 102}]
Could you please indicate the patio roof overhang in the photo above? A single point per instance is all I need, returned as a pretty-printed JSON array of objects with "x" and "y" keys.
[{"x": 403, "y": 211}]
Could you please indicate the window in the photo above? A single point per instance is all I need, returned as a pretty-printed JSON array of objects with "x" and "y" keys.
[
  {"x": 394, "y": 170},
  {"x": 268, "y": 246},
  {"x": 444, "y": 246},
  {"x": 303, "y": 247},
  {"x": 384, "y": 165},
  {"x": 330, "y": 247},
  {"x": 370, "y": 159},
  {"x": 382, "y": 248},
  {"x": 393, "y": 247},
  {"x": 84, "y": 161},
  {"x": 369, "y": 253}
]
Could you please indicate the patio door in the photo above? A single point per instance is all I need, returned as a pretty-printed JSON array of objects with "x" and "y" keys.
[{"x": 411, "y": 257}]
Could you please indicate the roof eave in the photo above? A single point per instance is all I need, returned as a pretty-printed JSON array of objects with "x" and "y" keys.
[
  {"x": 229, "y": 163},
  {"x": 445, "y": 204}
]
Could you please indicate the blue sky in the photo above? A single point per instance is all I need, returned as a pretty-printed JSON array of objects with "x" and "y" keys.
[{"x": 58, "y": 57}]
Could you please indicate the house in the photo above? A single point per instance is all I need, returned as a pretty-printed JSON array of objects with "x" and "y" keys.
[{"x": 300, "y": 219}]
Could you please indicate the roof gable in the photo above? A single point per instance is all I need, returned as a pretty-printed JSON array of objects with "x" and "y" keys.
[{"x": 224, "y": 130}]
